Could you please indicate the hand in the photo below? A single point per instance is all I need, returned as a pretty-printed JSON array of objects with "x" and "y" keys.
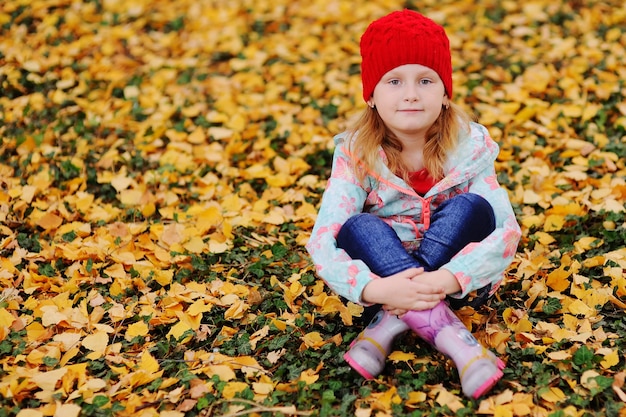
[
  {"x": 403, "y": 291},
  {"x": 441, "y": 277}
]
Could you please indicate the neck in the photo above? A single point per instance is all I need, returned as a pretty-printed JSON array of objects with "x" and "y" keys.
[{"x": 413, "y": 153}]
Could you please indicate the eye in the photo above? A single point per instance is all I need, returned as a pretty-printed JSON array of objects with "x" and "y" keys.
[
  {"x": 425, "y": 81},
  {"x": 394, "y": 81}
]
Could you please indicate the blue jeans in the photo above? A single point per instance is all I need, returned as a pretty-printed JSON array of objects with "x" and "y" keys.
[{"x": 462, "y": 219}]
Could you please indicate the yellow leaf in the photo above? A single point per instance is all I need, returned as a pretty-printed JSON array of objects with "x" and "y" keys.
[
  {"x": 274, "y": 217},
  {"x": 164, "y": 277},
  {"x": 148, "y": 209},
  {"x": 131, "y": 197},
  {"x": 532, "y": 221},
  {"x": 590, "y": 111},
  {"x": 197, "y": 136},
  {"x": 139, "y": 328},
  {"x": 537, "y": 77},
  {"x": 96, "y": 342},
  {"x": 568, "y": 208},
  {"x": 219, "y": 133},
  {"x": 308, "y": 376},
  {"x": 236, "y": 310},
  {"x": 32, "y": 66},
  {"x": 415, "y": 398},
  {"x": 544, "y": 238},
  {"x": 172, "y": 234},
  {"x": 50, "y": 221},
  {"x": 572, "y": 110},
  {"x": 148, "y": 363},
  {"x": 47, "y": 380},
  {"x": 558, "y": 279},
  {"x": 35, "y": 331},
  {"x": 52, "y": 316},
  {"x": 399, "y": 356},
  {"x": 445, "y": 397},
  {"x": 554, "y": 223},
  {"x": 313, "y": 340},
  {"x": 68, "y": 340},
  {"x": 503, "y": 410},
  {"x": 198, "y": 308},
  {"x": 131, "y": 91},
  {"x": 531, "y": 197},
  {"x": 586, "y": 243},
  {"x": 29, "y": 412},
  {"x": 578, "y": 307},
  {"x": 553, "y": 395},
  {"x": 588, "y": 379},
  {"x": 570, "y": 322},
  {"x": 6, "y": 318},
  {"x": 116, "y": 271},
  {"x": 561, "y": 355},
  {"x": 179, "y": 329},
  {"x": 218, "y": 247},
  {"x": 233, "y": 388},
  {"x": 262, "y": 388},
  {"x": 116, "y": 288},
  {"x": 279, "y": 324},
  {"x": 121, "y": 182},
  {"x": 611, "y": 359},
  {"x": 209, "y": 218},
  {"x": 195, "y": 245},
  {"x": 224, "y": 372},
  {"x": 67, "y": 410},
  {"x": 71, "y": 353}
]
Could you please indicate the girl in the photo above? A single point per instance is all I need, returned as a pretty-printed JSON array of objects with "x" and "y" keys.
[{"x": 413, "y": 198}]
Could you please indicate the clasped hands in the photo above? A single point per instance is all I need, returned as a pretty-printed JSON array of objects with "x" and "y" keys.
[{"x": 411, "y": 289}]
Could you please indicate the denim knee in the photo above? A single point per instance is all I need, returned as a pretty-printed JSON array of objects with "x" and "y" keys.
[
  {"x": 471, "y": 208},
  {"x": 355, "y": 224}
]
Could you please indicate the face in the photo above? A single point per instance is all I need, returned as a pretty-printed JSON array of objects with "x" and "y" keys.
[{"x": 409, "y": 99}]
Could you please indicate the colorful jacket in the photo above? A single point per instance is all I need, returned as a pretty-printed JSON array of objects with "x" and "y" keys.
[{"x": 470, "y": 168}]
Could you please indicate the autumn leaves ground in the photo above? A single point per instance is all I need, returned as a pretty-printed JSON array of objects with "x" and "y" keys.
[{"x": 160, "y": 167}]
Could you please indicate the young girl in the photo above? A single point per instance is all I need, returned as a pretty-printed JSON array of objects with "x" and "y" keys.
[{"x": 413, "y": 198}]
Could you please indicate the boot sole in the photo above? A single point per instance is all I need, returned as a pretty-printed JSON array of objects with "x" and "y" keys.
[
  {"x": 355, "y": 365},
  {"x": 491, "y": 381}
]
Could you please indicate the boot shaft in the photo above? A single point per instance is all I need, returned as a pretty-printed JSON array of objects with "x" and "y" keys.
[
  {"x": 428, "y": 323},
  {"x": 384, "y": 329}
]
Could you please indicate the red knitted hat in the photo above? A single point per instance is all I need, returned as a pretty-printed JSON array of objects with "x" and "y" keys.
[{"x": 404, "y": 37}]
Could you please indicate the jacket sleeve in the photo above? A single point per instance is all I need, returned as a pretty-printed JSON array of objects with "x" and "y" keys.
[
  {"x": 485, "y": 262},
  {"x": 343, "y": 198}
]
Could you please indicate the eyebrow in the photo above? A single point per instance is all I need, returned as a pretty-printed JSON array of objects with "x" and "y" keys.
[{"x": 422, "y": 72}]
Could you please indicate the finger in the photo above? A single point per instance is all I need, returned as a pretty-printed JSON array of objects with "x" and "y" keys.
[
  {"x": 397, "y": 311},
  {"x": 411, "y": 273},
  {"x": 427, "y": 289},
  {"x": 426, "y": 305},
  {"x": 414, "y": 273}
]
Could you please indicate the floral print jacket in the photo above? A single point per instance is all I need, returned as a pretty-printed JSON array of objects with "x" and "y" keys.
[{"x": 470, "y": 168}]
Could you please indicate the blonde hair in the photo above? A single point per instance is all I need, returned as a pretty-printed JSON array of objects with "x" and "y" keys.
[{"x": 369, "y": 133}]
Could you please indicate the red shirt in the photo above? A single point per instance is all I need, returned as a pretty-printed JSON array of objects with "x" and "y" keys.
[{"x": 421, "y": 181}]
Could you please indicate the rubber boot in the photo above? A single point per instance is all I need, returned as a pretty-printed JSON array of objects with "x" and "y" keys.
[
  {"x": 479, "y": 369},
  {"x": 369, "y": 351}
]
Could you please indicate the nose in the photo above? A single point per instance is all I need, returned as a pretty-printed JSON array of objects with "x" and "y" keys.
[{"x": 411, "y": 94}]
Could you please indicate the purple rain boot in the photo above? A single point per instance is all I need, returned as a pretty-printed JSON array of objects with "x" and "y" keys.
[
  {"x": 479, "y": 369},
  {"x": 368, "y": 352}
]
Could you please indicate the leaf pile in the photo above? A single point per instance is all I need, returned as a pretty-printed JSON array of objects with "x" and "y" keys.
[{"x": 161, "y": 163}]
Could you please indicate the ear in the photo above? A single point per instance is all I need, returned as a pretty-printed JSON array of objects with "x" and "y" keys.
[
  {"x": 370, "y": 103},
  {"x": 446, "y": 101}
]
